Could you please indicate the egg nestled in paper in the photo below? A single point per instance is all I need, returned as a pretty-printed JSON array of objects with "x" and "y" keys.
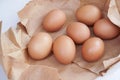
[
  {"x": 88, "y": 14},
  {"x": 104, "y": 29},
  {"x": 40, "y": 45},
  {"x": 54, "y": 20},
  {"x": 79, "y": 32},
  {"x": 64, "y": 49},
  {"x": 93, "y": 49}
]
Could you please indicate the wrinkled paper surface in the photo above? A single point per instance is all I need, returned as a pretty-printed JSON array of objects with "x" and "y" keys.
[
  {"x": 19, "y": 66},
  {"x": 114, "y": 12}
]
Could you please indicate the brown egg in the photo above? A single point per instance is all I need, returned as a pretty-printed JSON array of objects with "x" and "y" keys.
[
  {"x": 93, "y": 49},
  {"x": 105, "y": 29},
  {"x": 64, "y": 49},
  {"x": 79, "y": 32},
  {"x": 40, "y": 45},
  {"x": 88, "y": 14},
  {"x": 54, "y": 20}
]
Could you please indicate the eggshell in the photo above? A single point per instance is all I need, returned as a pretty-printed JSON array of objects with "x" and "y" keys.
[
  {"x": 104, "y": 29},
  {"x": 79, "y": 32},
  {"x": 54, "y": 20},
  {"x": 40, "y": 45},
  {"x": 88, "y": 14},
  {"x": 64, "y": 49},
  {"x": 93, "y": 49}
]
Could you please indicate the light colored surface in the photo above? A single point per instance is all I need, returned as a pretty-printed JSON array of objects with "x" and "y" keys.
[
  {"x": 8, "y": 15},
  {"x": 2, "y": 74},
  {"x": 8, "y": 12},
  {"x": 112, "y": 74}
]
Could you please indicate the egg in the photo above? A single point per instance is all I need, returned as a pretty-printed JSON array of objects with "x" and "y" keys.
[
  {"x": 93, "y": 49},
  {"x": 104, "y": 29},
  {"x": 54, "y": 20},
  {"x": 40, "y": 45},
  {"x": 64, "y": 49},
  {"x": 79, "y": 32},
  {"x": 88, "y": 14}
]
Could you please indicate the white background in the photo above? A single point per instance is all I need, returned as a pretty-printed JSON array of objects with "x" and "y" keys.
[{"x": 8, "y": 15}]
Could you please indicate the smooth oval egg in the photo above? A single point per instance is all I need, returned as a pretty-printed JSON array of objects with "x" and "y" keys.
[
  {"x": 88, "y": 14},
  {"x": 93, "y": 49},
  {"x": 40, "y": 45},
  {"x": 79, "y": 32},
  {"x": 64, "y": 49},
  {"x": 104, "y": 29},
  {"x": 54, "y": 20}
]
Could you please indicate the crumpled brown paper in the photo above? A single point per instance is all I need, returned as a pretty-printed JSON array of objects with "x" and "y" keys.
[
  {"x": 19, "y": 66},
  {"x": 114, "y": 12}
]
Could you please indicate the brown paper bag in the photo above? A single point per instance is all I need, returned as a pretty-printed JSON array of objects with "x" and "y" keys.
[{"x": 19, "y": 66}]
